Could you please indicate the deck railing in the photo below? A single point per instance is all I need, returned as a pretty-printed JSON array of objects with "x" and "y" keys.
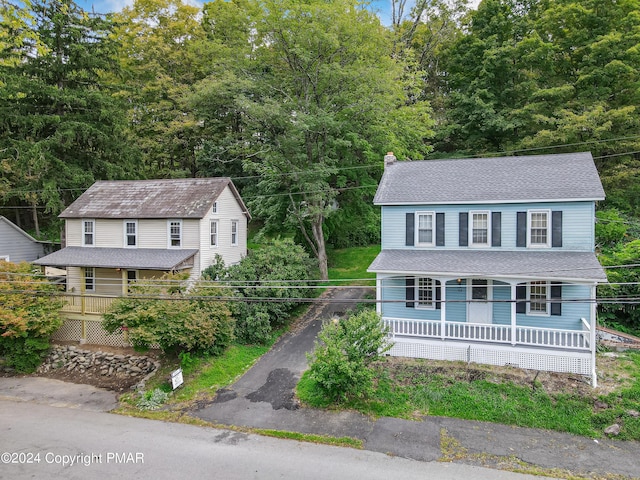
[
  {"x": 505, "y": 334},
  {"x": 87, "y": 304}
]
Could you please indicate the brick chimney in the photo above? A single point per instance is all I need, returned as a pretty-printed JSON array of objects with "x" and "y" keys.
[{"x": 389, "y": 159}]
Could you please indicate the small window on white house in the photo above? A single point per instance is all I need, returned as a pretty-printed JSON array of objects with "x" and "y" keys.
[
  {"x": 539, "y": 235},
  {"x": 424, "y": 230},
  {"x": 214, "y": 233},
  {"x": 538, "y": 296},
  {"x": 234, "y": 232},
  {"x": 215, "y": 207},
  {"x": 175, "y": 233},
  {"x": 88, "y": 232},
  {"x": 425, "y": 293},
  {"x": 479, "y": 229},
  {"x": 130, "y": 233},
  {"x": 89, "y": 279}
]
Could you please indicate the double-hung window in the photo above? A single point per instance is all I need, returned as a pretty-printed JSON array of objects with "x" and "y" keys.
[
  {"x": 214, "y": 233},
  {"x": 130, "y": 233},
  {"x": 425, "y": 293},
  {"x": 88, "y": 233},
  {"x": 234, "y": 232},
  {"x": 479, "y": 229},
  {"x": 539, "y": 234},
  {"x": 538, "y": 296},
  {"x": 89, "y": 279},
  {"x": 425, "y": 229},
  {"x": 175, "y": 233}
]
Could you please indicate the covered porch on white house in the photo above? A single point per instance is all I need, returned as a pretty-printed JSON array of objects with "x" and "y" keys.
[{"x": 498, "y": 308}]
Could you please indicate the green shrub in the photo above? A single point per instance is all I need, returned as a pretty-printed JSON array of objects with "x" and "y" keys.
[
  {"x": 194, "y": 321},
  {"x": 272, "y": 279},
  {"x": 29, "y": 314},
  {"x": 152, "y": 400},
  {"x": 340, "y": 365}
]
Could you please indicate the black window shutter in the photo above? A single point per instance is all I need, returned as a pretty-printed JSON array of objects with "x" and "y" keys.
[
  {"x": 496, "y": 229},
  {"x": 521, "y": 235},
  {"x": 463, "y": 240},
  {"x": 438, "y": 295},
  {"x": 411, "y": 292},
  {"x": 439, "y": 229},
  {"x": 521, "y": 296},
  {"x": 409, "y": 228},
  {"x": 556, "y": 294},
  {"x": 556, "y": 228}
]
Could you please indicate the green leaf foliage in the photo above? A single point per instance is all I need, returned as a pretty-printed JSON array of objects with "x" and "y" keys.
[
  {"x": 271, "y": 280},
  {"x": 163, "y": 312},
  {"x": 340, "y": 364},
  {"x": 29, "y": 314}
]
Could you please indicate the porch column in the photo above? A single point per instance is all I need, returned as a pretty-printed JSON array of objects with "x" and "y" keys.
[
  {"x": 378, "y": 295},
  {"x": 592, "y": 339},
  {"x": 443, "y": 308},
  {"x": 125, "y": 289},
  {"x": 513, "y": 312},
  {"x": 83, "y": 307}
]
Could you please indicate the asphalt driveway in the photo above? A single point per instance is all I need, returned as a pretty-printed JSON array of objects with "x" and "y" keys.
[{"x": 264, "y": 398}]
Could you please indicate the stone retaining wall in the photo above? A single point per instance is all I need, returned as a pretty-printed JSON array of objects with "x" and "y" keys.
[{"x": 72, "y": 358}]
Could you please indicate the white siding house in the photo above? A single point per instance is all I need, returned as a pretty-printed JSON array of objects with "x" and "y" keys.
[
  {"x": 491, "y": 260},
  {"x": 122, "y": 231}
]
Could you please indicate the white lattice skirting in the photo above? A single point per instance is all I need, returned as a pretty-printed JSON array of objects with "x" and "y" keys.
[
  {"x": 71, "y": 330},
  {"x": 579, "y": 363}
]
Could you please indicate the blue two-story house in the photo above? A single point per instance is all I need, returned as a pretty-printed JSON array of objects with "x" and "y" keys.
[{"x": 491, "y": 260}]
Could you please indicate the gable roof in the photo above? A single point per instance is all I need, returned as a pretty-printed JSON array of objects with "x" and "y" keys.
[
  {"x": 560, "y": 177},
  {"x": 22, "y": 232},
  {"x": 164, "y": 198}
]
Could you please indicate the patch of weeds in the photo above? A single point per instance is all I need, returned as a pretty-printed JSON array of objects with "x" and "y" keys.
[
  {"x": 152, "y": 399},
  {"x": 450, "y": 447},
  {"x": 307, "y": 437}
]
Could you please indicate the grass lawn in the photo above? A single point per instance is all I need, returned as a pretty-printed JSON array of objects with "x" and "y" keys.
[
  {"x": 411, "y": 388},
  {"x": 352, "y": 264}
]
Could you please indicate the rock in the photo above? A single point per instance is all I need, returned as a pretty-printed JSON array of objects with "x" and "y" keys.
[
  {"x": 600, "y": 405},
  {"x": 135, "y": 369},
  {"x": 633, "y": 413},
  {"x": 612, "y": 430}
]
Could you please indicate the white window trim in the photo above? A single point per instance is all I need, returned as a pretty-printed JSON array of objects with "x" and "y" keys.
[
  {"x": 217, "y": 224},
  {"x": 548, "y": 297},
  {"x": 169, "y": 222},
  {"x": 214, "y": 209},
  {"x": 126, "y": 236},
  {"x": 471, "y": 242},
  {"x": 529, "y": 226},
  {"x": 92, "y": 277},
  {"x": 234, "y": 243},
  {"x": 417, "y": 241},
  {"x": 416, "y": 295},
  {"x": 93, "y": 233}
]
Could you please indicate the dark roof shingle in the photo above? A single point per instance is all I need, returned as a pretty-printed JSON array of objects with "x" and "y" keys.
[
  {"x": 578, "y": 266},
  {"x": 571, "y": 176},
  {"x": 165, "y": 198}
]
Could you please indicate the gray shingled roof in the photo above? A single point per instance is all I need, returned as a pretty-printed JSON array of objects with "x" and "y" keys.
[
  {"x": 571, "y": 176},
  {"x": 129, "y": 258},
  {"x": 491, "y": 263},
  {"x": 168, "y": 198}
]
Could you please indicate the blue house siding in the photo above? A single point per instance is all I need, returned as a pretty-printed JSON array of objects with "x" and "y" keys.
[
  {"x": 572, "y": 312},
  {"x": 394, "y": 292},
  {"x": 577, "y": 223},
  {"x": 501, "y": 306},
  {"x": 456, "y": 309}
]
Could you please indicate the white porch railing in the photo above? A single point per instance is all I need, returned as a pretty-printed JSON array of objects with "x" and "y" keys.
[{"x": 529, "y": 336}]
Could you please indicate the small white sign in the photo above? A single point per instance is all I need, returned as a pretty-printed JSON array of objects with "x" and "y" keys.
[{"x": 176, "y": 378}]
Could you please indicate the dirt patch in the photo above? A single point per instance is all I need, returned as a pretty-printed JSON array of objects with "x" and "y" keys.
[{"x": 611, "y": 375}]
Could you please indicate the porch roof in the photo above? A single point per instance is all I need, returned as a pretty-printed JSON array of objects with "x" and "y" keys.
[
  {"x": 128, "y": 258},
  {"x": 576, "y": 266}
]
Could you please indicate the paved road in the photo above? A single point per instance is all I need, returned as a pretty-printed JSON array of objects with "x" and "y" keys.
[
  {"x": 105, "y": 446},
  {"x": 264, "y": 398}
]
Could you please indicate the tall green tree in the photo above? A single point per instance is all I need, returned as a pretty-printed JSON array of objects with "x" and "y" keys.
[
  {"x": 60, "y": 126},
  {"x": 163, "y": 56},
  {"x": 319, "y": 101}
]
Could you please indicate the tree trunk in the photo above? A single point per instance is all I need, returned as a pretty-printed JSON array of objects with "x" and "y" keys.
[
  {"x": 35, "y": 219},
  {"x": 318, "y": 236}
]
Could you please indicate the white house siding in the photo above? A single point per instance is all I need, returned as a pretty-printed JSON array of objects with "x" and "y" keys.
[
  {"x": 16, "y": 246},
  {"x": 577, "y": 224},
  {"x": 228, "y": 210},
  {"x": 73, "y": 232}
]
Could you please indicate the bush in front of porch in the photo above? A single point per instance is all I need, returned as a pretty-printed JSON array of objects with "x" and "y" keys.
[{"x": 29, "y": 314}]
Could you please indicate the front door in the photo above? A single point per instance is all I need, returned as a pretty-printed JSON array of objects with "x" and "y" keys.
[{"x": 480, "y": 307}]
